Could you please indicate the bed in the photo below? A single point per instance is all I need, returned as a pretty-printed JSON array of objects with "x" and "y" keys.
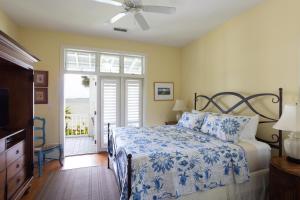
[{"x": 172, "y": 162}]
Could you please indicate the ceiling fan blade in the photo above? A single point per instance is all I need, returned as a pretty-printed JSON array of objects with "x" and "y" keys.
[
  {"x": 137, "y": 2},
  {"x": 141, "y": 21},
  {"x": 159, "y": 9},
  {"x": 117, "y": 17},
  {"x": 110, "y": 2}
]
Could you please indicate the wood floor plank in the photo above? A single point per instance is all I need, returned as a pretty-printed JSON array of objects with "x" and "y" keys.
[
  {"x": 71, "y": 162},
  {"x": 75, "y": 184}
]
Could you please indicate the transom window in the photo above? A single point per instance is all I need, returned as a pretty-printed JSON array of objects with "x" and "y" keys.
[
  {"x": 110, "y": 63},
  {"x": 80, "y": 61}
]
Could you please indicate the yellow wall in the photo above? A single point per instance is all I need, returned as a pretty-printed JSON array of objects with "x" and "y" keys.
[
  {"x": 163, "y": 64},
  {"x": 258, "y": 51},
  {"x": 8, "y": 26}
]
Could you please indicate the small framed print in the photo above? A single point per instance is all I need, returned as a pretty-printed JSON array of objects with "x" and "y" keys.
[
  {"x": 41, "y": 95},
  {"x": 40, "y": 78},
  {"x": 163, "y": 91}
]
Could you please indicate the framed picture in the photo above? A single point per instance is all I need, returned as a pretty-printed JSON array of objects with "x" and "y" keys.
[
  {"x": 41, "y": 95},
  {"x": 163, "y": 91},
  {"x": 40, "y": 78}
]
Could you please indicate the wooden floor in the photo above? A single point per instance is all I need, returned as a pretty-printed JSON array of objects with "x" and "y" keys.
[
  {"x": 79, "y": 145},
  {"x": 69, "y": 163}
]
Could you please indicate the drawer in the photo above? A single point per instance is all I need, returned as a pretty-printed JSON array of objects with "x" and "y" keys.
[
  {"x": 2, "y": 180},
  {"x": 2, "y": 161},
  {"x": 15, "y": 167},
  {"x": 14, "y": 153},
  {"x": 2, "y": 197},
  {"x": 14, "y": 183},
  {"x": 2, "y": 145}
]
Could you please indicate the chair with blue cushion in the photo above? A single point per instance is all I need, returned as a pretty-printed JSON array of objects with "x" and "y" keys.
[{"x": 42, "y": 149}]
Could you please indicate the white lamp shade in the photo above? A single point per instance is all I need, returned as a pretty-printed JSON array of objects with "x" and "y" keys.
[
  {"x": 289, "y": 120},
  {"x": 179, "y": 105}
]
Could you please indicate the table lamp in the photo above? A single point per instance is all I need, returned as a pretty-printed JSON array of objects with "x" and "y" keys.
[
  {"x": 290, "y": 121},
  {"x": 179, "y": 107}
]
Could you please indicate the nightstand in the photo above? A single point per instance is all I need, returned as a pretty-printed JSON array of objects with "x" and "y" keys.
[
  {"x": 284, "y": 179},
  {"x": 171, "y": 123}
]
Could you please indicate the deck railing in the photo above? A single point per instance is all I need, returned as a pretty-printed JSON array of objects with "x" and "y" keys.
[{"x": 77, "y": 125}]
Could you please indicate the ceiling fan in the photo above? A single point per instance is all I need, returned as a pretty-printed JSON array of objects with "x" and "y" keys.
[{"x": 136, "y": 8}]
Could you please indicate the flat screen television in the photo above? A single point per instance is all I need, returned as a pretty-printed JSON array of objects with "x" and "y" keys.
[{"x": 4, "y": 108}]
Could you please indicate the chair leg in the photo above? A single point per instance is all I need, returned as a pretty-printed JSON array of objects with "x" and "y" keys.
[
  {"x": 60, "y": 155},
  {"x": 40, "y": 162}
]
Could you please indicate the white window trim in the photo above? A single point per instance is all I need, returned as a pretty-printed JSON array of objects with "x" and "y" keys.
[{"x": 97, "y": 72}]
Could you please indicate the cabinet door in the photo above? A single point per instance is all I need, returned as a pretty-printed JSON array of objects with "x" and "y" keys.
[{"x": 283, "y": 186}]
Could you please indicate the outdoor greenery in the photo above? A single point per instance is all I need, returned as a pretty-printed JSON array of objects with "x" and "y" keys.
[
  {"x": 71, "y": 131},
  {"x": 85, "y": 81},
  {"x": 67, "y": 113},
  {"x": 78, "y": 131}
]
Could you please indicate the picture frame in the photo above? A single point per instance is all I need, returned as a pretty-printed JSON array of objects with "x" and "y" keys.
[
  {"x": 41, "y": 95},
  {"x": 40, "y": 78},
  {"x": 163, "y": 91}
]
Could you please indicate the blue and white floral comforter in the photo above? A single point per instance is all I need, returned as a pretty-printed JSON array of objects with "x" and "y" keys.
[{"x": 170, "y": 161}]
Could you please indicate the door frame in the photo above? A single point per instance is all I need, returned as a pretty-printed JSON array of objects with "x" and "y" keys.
[{"x": 61, "y": 118}]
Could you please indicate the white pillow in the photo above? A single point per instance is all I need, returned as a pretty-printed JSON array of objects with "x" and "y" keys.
[{"x": 250, "y": 129}]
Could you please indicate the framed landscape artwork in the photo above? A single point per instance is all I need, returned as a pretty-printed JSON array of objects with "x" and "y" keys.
[
  {"x": 41, "y": 95},
  {"x": 40, "y": 78},
  {"x": 163, "y": 91}
]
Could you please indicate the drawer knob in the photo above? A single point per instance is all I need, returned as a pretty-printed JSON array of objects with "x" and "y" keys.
[
  {"x": 17, "y": 152},
  {"x": 18, "y": 180},
  {"x": 17, "y": 166}
]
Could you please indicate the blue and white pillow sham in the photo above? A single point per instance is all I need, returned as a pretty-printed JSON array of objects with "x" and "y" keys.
[
  {"x": 192, "y": 121},
  {"x": 224, "y": 127}
]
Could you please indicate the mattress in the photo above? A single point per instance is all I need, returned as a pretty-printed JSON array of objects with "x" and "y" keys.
[{"x": 258, "y": 154}]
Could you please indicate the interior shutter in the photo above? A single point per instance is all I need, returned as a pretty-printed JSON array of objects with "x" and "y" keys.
[
  {"x": 133, "y": 105},
  {"x": 110, "y": 104}
]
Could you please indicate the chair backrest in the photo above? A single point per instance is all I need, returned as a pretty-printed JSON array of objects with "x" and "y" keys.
[{"x": 39, "y": 126}]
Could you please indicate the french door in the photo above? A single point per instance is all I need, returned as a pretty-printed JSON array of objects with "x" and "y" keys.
[{"x": 121, "y": 103}]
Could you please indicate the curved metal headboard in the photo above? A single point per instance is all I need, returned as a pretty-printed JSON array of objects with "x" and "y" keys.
[{"x": 276, "y": 99}]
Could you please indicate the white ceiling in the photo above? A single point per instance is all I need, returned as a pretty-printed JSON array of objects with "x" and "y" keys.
[{"x": 193, "y": 18}]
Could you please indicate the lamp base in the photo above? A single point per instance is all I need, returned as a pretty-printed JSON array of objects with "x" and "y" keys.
[
  {"x": 178, "y": 116},
  {"x": 294, "y": 160}
]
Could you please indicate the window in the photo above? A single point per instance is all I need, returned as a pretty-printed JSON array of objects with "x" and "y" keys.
[
  {"x": 120, "y": 88},
  {"x": 80, "y": 61},
  {"x": 106, "y": 63},
  {"x": 133, "y": 102},
  {"x": 110, "y": 63},
  {"x": 109, "y": 104},
  {"x": 133, "y": 65}
]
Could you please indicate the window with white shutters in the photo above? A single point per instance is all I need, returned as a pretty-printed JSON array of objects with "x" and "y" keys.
[
  {"x": 133, "y": 106},
  {"x": 109, "y": 104},
  {"x": 120, "y": 89}
]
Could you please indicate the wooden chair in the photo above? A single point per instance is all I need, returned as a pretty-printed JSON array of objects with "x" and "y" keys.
[{"x": 42, "y": 149}]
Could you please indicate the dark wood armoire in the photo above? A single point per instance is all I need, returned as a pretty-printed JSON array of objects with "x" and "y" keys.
[{"x": 16, "y": 137}]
